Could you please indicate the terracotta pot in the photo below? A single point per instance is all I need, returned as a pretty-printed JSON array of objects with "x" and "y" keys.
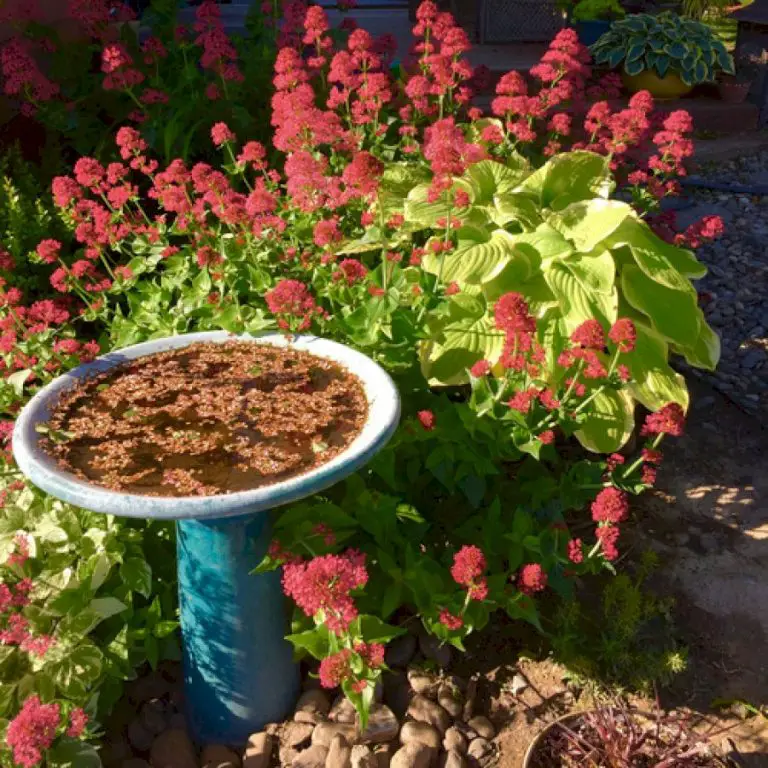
[
  {"x": 670, "y": 86},
  {"x": 733, "y": 91}
]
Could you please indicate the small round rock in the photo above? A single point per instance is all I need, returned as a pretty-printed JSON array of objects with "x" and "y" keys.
[
  {"x": 258, "y": 750},
  {"x": 218, "y": 756},
  {"x": 454, "y": 759},
  {"x": 412, "y": 756},
  {"x": 314, "y": 757},
  {"x": 455, "y": 740},
  {"x": 363, "y": 757},
  {"x": 482, "y": 726},
  {"x": 480, "y": 748},
  {"x": 339, "y": 753},
  {"x": 414, "y": 732}
]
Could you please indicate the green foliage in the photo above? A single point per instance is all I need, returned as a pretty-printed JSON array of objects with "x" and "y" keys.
[
  {"x": 666, "y": 43},
  {"x": 589, "y": 10},
  {"x": 626, "y": 638}
]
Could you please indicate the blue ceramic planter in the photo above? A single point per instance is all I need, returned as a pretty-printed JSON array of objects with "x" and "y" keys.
[
  {"x": 590, "y": 32},
  {"x": 238, "y": 669}
]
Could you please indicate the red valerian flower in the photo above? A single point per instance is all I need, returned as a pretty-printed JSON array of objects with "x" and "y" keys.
[
  {"x": 575, "y": 552},
  {"x": 449, "y": 621},
  {"x": 480, "y": 368},
  {"x": 371, "y": 653},
  {"x": 469, "y": 563},
  {"x": 651, "y": 456},
  {"x": 513, "y": 315},
  {"x": 350, "y": 271},
  {"x": 547, "y": 437},
  {"x": 670, "y": 420},
  {"x": 648, "y": 475},
  {"x": 48, "y": 251},
  {"x": 531, "y": 579},
  {"x": 221, "y": 134},
  {"x": 523, "y": 400},
  {"x": 324, "y": 584},
  {"x": 77, "y": 722},
  {"x": 610, "y": 506},
  {"x": 292, "y": 299},
  {"x": 426, "y": 419},
  {"x": 608, "y": 535},
  {"x": 623, "y": 334},
  {"x": 589, "y": 335},
  {"x": 335, "y": 669},
  {"x": 32, "y": 731}
]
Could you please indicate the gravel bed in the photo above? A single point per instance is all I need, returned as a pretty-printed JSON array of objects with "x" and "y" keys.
[{"x": 735, "y": 291}]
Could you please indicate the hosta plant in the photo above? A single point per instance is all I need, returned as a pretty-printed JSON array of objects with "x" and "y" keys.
[
  {"x": 487, "y": 261},
  {"x": 665, "y": 44}
]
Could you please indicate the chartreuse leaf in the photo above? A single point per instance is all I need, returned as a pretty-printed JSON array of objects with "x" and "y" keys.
[
  {"x": 74, "y": 674},
  {"x": 489, "y": 178},
  {"x": 316, "y": 642},
  {"x": 397, "y": 180},
  {"x": 596, "y": 271},
  {"x": 655, "y": 257},
  {"x": 654, "y": 383},
  {"x": 705, "y": 353},
  {"x": 567, "y": 178},
  {"x": 422, "y": 213},
  {"x": 578, "y": 304},
  {"x": 520, "y": 209},
  {"x": 374, "y": 630},
  {"x": 610, "y": 423},
  {"x": 674, "y": 314},
  {"x": 547, "y": 242},
  {"x": 474, "y": 260},
  {"x": 588, "y": 222},
  {"x": 136, "y": 574}
]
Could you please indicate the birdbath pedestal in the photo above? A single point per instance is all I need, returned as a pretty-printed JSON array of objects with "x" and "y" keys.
[{"x": 239, "y": 672}]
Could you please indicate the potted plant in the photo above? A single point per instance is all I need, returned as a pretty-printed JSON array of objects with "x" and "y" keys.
[
  {"x": 592, "y": 18},
  {"x": 733, "y": 89},
  {"x": 665, "y": 54},
  {"x": 615, "y": 736}
]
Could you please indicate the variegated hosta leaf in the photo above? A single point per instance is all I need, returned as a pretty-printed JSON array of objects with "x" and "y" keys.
[
  {"x": 576, "y": 303},
  {"x": 588, "y": 222},
  {"x": 610, "y": 424}
]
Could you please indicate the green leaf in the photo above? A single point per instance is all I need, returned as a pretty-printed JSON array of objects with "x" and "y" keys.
[
  {"x": 316, "y": 642},
  {"x": 374, "y": 630},
  {"x": 578, "y": 304},
  {"x": 489, "y": 178},
  {"x": 546, "y": 241},
  {"x": 421, "y": 212},
  {"x": 136, "y": 574},
  {"x": 76, "y": 672},
  {"x": 596, "y": 272},
  {"x": 610, "y": 422},
  {"x": 662, "y": 64},
  {"x": 705, "y": 353},
  {"x": 674, "y": 314},
  {"x": 473, "y": 261},
  {"x": 7, "y": 698},
  {"x": 567, "y": 178},
  {"x": 634, "y": 67},
  {"x": 107, "y": 606},
  {"x": 654, "y": 256},
  {"x": 654, "y": 383},
  {"x": 69, "y": 753},
  {"x": 520, "y": 209},
  {"x": 397, "y": 181},
  {"x": 18, "y": 380},
  {"x": 588, "y": 222}
]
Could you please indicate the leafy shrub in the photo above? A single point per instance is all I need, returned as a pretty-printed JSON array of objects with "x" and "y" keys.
[
  {"x": 484, "y": 261},
  {"x": 588, "y": 10},
  {"x": 664, "y": 44}
]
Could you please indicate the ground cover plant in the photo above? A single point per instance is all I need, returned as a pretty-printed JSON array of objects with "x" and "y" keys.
[{"x": 514, "y": 274}]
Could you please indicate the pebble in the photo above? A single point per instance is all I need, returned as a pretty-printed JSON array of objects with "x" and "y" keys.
[
  {"x": 296, "y": 734},
  {"x": 173, "y": 749},
  {"x": 414, "y": 732},
  {"x": 454, "y": 759},
  {"x": 454, "y": 740},
  {"x": 323, "y": 733},
  {"x": 314, "y": 757},
  {"x": 433, "y": 649},
  {"x": 427, "y": 711},
  {"x": 397, "y": 692},
  {"x": 384, "y": 753},
  {"x": 400, "y": 651},
  {"x": 412, "y": 756},
  {"x": 140, "y": 737},
  {"x": 218, "y": 756},
  {"x": 450, "y": 699},
  {"x": 482, "y": 726},
  {"x": 343, "y": 711},
  {"x": 471, "y": 696},
  {"x": 312, "y": 707},
  {"x": 480, "y": 748},
  {"x": 424, "y": 683},
  {"x": 519, "y": 684},
  {"x": 154, "y": 716},
  {"x": 339, "y": 753},
  {"x": 382, "y": 726},
  {"x": 258, "y": 751},
  {"x": 363, "y": 757}
]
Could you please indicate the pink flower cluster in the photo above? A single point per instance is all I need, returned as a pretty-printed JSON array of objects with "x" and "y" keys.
[
  {"x": 468, "y": 567},
  {"x": 33, "y": 731}
]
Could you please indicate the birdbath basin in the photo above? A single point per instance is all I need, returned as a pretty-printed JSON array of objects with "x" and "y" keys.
[{"x": 238, "y": 669}]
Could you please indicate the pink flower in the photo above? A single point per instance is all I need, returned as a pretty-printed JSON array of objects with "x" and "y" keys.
[
  {"x": 575, "y": 553},
  {"x": 608, "y": 535},
  {"x": 351, "y": 271},
  {"x": 547, "y": 437},
  {"x": 327, "y": 232},
  {"x": 610, "y": 506},
  {"x": 292, "y": 299},
  {"x": 623, "y": 334},
  {"x": 220, "y": 134},
  {"x": 449, "y": 621},
  {"x": 335, "y": 669},
  {"x": 531, "y": 579},
  {"x": 670, "y": 420},
  {"x": 589, "y": 335},
  {"x": 480, "y": 368},
  {"x": 469, "y": 563},
  {"x": 32, "y": 731},
  {"x": 48, "y": 251},
  {"x": 77, "y": 722},
  {"x": 426, "y": 419}
]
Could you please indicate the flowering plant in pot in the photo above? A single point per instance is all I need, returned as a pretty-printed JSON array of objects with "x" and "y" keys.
[
  {"x": 592, "y": 18},
  {"x": 485, "y": 261},
  {"x": 665, "y": 54}
]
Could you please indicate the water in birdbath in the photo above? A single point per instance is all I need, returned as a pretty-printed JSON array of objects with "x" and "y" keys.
[{"x": 207, "y": 419}]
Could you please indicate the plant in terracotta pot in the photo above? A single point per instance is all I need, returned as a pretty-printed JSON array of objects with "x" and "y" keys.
[
  {"x": 593, "y": 18},
  {"x": 664, "y": 54},
  {"x": 615, "y": 736}
]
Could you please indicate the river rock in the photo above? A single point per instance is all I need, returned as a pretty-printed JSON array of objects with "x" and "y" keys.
[
  {"x": 173, "y": 749},
  {"x": 154, "y": 716},
  {"x": 455, "y": 740},
  {"x": 324, "y": 733},
  {"x": 312, "y": 707},
  {"x": 397, "y": 692},
  {"x": 296, "y": 734},
  {"x": 400, "y": 651},
  {"x": 427, "y": 711},
  {"x": 480, "y": 748},
  {"x": 482, "y": 726},
  {"x": 258, "y": 750},
  {"x": 343, "y": 711},
  {"x": 433, "y": 649},
  {"x": 454, "y": 759},
  {"x": 414, "y": 732},
  {"x": 363, "y": 757},
  {"x": 412, "y": 756},
  {"x": 382, "y": 726},
  {"x": 384, "y": 753},
  {"x": 470, "y": 695},
  {"x": 424, "y": 683},
  {"x": 450, "y": 699},
  {"x": 139, "y": 737},
  {"x": 314, "y": 757},
  {"x": 218, "y": 756},
  {"x": 339, "y": 753}
]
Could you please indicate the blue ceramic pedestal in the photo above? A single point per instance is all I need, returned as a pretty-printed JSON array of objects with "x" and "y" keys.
[{"x": 238, "y": 668}]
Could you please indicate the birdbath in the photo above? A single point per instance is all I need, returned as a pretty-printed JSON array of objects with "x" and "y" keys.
[{"x": 239, "y": 671}]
